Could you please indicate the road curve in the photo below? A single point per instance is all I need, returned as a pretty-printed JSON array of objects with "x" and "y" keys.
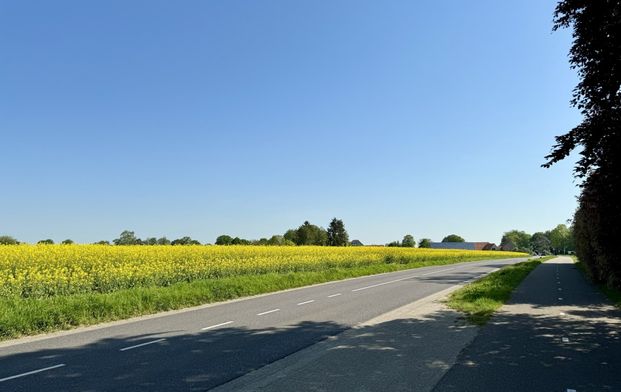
[{"x": 203, "y": 347}]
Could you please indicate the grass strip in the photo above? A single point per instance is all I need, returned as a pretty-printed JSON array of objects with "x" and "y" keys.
[
  {"x": 613, "y": 295},
  {"x": 29, "y": 316},
  {"x": 481, "y": 298}
]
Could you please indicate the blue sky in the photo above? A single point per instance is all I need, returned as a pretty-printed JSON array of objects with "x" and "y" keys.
[{"x": 248, "y": 117}]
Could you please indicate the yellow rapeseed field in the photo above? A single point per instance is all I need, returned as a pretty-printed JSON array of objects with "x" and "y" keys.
[{"x": 38, "y": 271}]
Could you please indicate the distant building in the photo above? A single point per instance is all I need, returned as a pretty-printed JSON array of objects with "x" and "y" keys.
[
  {"x": 356, "y": 243},
  {"x": 464, "y": 245}
]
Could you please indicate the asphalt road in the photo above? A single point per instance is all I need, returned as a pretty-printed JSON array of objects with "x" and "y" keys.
[
  {"x": 557, "y": 333},
  {"x": 204, "y": 347}
]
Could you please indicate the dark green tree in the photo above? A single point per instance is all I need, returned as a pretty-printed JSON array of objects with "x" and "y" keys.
[
  {"x": 453, "y": 238},
  {"x": 515, "y": 240},
  {"x": 67, "y": 242},
  {"x": 337, "y": 235},
  {"x": 424, "y": 243},
  {"x": 103, "y": 242},
  {"x": 185, "y": 241},
  {"x": 291, "y": 235},
  {"x": 8, "y": 240},
  {"x": 163, "y": 241},
  {"x": 408, "y": 241},
  {"x": 48, "y": 241},
  {"x": 308, "y": 234},
  {"x": 127, "y": 238},
  {"x": 240, "y": 241},
  {"x": 596, "y": 55},
  {"x": 540, "y": 243},
  {"x": 224, "y": 240},
  {"x": 150, "y": 241},
  {"x": 276, "y": 240}
]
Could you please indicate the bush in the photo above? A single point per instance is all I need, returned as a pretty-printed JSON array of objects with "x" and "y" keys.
[{"x": 8, "y": 240}]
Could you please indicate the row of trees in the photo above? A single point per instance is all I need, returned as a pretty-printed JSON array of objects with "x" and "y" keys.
[
  {"x": 129, "y": 238},
  {"x": 596, "y": 55},
  {"x": 305, "y": 234},
  {"x": 8, "y": 240},
  {"x": 125, "y": 238},
  {"x": 409, "y": 241},
  {"x": 557, "y": 241}
]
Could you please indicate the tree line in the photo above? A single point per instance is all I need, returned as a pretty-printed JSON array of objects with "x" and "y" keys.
[
  {"x": 596, "y": 55},
  {"x": 408, "y": 241},
  {"x": 559, "y": 240},
  {"x": 125, "y": 238},
  {"x": 305, "y": 234}
]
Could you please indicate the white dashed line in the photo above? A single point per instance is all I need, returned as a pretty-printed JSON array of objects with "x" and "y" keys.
[
  {"x": 306, "y": 302},
  {"x": 444, "y": 270},
  {"x": 268, "y": 312},
  {"x": 560, "y": 299},
  {"x": 400, "y": 279},
  {"x": 216, "y": 326},
  {"x": 142, "y": 344},
  {"x": 565, "y": 340},
  {"x": 334, "y": 295},
  {"x": 571, "y": 390},
  {"x": 31, "y": 372}
]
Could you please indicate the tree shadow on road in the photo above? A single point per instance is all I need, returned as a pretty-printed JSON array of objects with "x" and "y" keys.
[{"x": 203, "y": 360}]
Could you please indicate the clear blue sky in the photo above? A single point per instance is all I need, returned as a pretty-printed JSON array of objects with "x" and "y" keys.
[{"x": 248, "y": 117}]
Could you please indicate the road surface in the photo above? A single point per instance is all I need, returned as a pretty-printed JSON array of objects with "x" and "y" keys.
[{"x": 204, "y": 347}]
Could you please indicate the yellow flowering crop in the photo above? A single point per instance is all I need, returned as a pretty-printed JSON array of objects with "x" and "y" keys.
[{"x": 47, "y": 270}]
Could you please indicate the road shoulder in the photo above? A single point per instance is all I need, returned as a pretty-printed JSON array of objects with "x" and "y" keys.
[{"x": 407, "y": 349}]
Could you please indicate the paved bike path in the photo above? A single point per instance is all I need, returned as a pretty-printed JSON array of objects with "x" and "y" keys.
[{"x": 557, "y": 333}]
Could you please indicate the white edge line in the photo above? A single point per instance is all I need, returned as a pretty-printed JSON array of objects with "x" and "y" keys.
[
  {"x": 216, "y": 326},
  {"x": 141, "y": 344},
  {"x": 334, "y": 295},
  {"x": 269, "y": 311},
  {"x": 31, "y": 372},
  {"x": 306, "y": 302}
]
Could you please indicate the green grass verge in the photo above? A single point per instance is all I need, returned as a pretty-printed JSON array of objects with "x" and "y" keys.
[
  {"x": 613, "y": 295},
  {"x": 23, "y": 316},
  {"x": 480, "y": 299}
]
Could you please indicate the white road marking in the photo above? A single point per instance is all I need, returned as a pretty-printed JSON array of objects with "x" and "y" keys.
[
  {"x": 216, "y": 326},
  {"x": 306, "y": 302},
  {"x": 571, "y": 390},
  {"x": 142, "y": 344},
  {"x": 400, "y": 279},
  {"x": 560, "y": 299},
  {"x": 565, "y": 340},
  {"x": 267, "y": 312},
  {"x": 562, "y": 314},
  {"x": 437, "y": 272},
  {"x": 31, "y": 372},
  {"x": 334, "y": 295}
]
